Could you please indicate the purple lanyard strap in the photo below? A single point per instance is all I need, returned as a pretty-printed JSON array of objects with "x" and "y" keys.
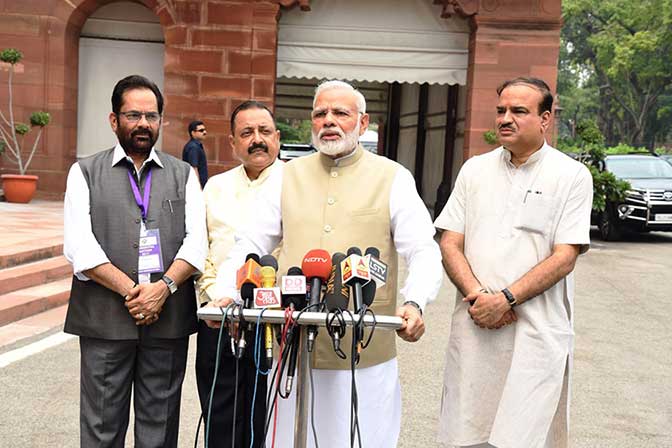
[{"x": 143, "y": 202}]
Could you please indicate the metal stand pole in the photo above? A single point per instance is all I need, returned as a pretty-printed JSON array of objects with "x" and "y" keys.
[{"x": 302, "y": 395}]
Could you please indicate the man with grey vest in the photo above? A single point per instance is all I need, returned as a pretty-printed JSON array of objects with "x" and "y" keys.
[
  {"x": 344, "y": 196},
  {"x": 135, "y": 234}
]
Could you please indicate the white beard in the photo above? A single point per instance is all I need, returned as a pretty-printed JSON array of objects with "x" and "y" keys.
[{"x": 344, "y": 146}]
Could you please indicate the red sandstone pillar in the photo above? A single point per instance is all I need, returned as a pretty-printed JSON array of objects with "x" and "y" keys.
[{"x": 508, "y": 39}]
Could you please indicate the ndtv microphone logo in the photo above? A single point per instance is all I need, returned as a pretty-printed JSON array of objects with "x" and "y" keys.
[
  {"x": 266, "y": 298},
  {"x": 315, "y": 260}
]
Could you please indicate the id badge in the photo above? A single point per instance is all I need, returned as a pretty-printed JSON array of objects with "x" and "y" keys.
[{"x": 149, "y": 259}]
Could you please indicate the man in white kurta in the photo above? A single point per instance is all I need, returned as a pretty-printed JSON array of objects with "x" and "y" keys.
[
  {"x": 396, "y": 214},
  {"x": 515, "y": 223}
]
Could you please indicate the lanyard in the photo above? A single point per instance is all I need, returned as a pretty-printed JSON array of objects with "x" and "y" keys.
[{"x": 143, "y": 202}]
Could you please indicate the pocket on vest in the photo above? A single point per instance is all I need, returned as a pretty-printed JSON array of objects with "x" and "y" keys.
[{"x": 364, "y": 211}]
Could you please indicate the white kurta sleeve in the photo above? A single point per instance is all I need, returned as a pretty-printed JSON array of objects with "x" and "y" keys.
[
  {"x": 574, "y": 225},
  {"x": 413, "y": 234},
  {"x": 260, "y": 237},
  {"x": 195, "y": 243},
  {"x": 80, "y": 245}
]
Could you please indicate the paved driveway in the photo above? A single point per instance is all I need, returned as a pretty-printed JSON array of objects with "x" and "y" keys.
[{"x": 622, "y": 394}]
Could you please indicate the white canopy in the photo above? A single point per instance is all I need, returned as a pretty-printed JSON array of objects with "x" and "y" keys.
[{"x": 373, "y": 40}]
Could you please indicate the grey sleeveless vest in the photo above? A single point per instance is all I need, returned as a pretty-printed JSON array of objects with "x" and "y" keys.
[{"x": 95, "y": 311}]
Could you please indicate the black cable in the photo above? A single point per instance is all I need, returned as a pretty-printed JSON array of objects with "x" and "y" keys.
[
  {"x": 235, "y": 405},
  {"x": 198, "y": 428},
  {"x": 336, "y": 332},
  {"x": 373, "y": 327},
  {"x": 274, "y": 389},
  {"x": 354, "y": 413},
  {"x": 214, "y": 379}
]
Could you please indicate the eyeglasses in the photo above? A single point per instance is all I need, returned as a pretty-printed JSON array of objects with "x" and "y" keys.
[
  {"x": 134, "y": 116},
  {"x": 200, "y": 130}
]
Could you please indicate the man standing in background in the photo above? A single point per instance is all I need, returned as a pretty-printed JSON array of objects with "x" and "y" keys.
[{"x": 193, "y": 152}]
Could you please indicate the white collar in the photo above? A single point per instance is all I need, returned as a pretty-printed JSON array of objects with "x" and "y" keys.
[{"x": 120, "y": 154}]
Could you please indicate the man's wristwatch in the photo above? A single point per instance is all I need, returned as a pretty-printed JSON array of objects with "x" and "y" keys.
[
  {"x": 170, "y": 283},
  {"x": 509, "y": 297},
  {"x": 413, "y": 304}
]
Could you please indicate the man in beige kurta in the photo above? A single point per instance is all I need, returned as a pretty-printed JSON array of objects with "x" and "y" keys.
[
  {"x": 230, "y": 199},
  {"x": 516, "y": 222}
]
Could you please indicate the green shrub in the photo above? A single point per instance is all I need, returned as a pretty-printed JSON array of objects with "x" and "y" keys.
[
  {"x": 10, "y": 55},
  {"x": 490, "y": 137},
  {"x": 40, "y": 119},
  {"x": 591, "y": 152}
]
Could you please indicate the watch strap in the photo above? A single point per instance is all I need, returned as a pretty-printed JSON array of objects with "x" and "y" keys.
[
  {"x": 509, "y": 297},
  {"x": 413, "y": 304},
  {"x": 170, "y": 283}
]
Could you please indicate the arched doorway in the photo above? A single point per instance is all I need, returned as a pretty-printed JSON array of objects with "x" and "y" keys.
[{"x": 117, "y": 40}]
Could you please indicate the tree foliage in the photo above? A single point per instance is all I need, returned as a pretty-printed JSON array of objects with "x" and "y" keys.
[
  {"x": 590, "y": 150},
  {"x": 616, "y": 64},
  {"x": 294, "y": 131}
]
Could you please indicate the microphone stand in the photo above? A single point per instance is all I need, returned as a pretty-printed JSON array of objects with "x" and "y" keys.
[{"x": 302, "y": 394}]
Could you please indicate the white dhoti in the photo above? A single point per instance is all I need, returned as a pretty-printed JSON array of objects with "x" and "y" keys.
[{"x": 379, "y": 396}]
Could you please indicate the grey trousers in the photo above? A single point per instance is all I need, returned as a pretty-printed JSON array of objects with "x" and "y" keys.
[{"x": 153, "y": 369}]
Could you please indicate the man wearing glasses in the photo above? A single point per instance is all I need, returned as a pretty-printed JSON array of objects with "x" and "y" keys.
[
  {"x": 193, "y": 152},
  {"x": 135, "y": 234}
]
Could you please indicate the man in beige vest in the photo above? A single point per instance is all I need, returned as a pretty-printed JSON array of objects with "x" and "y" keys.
[{"x": 341, "y": 197}]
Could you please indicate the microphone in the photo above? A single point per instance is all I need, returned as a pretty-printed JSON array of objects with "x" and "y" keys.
[
  {"x": 368, "y": 293},
  {"x": 316, "y": 267},
  {"x": 293, "y": 289},
  {"x": 268, "y": 296},
  {"x": 294, "y": 298},
  {"x": 355, "y": 273},
  {"x": 250, "y": 272},
  {"x": 337, "y": 295},
  {"x": 247, "y": 278},
  {"x": 377, "y": 268}
]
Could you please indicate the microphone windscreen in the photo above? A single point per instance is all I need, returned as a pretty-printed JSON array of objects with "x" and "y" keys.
[
  {"x": 368, "y": 293},
  {"x": 337, "y": 257},
  {"x": 316, "y": 263},
  {"x": 269, "y": 260},
  {"x": 294, "y": 270},
  {"x": 337, "y": 295},
  {"x": 247, "y": 292},
  {"x": 373, "y": 251},
  {"x": 252, "y": 256},
  {"x": 354, "y": 251},
  {"x": 267, "y": 276}
]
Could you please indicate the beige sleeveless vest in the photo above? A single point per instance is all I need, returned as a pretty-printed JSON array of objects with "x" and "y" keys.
[{"x": 333, "y": 206}]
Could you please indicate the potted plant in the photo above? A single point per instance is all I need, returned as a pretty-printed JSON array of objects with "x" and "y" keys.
[{"x": 18, "y": 187}]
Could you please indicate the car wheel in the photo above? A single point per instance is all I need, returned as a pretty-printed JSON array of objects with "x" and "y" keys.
[{"x": 609, "y": 228}]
